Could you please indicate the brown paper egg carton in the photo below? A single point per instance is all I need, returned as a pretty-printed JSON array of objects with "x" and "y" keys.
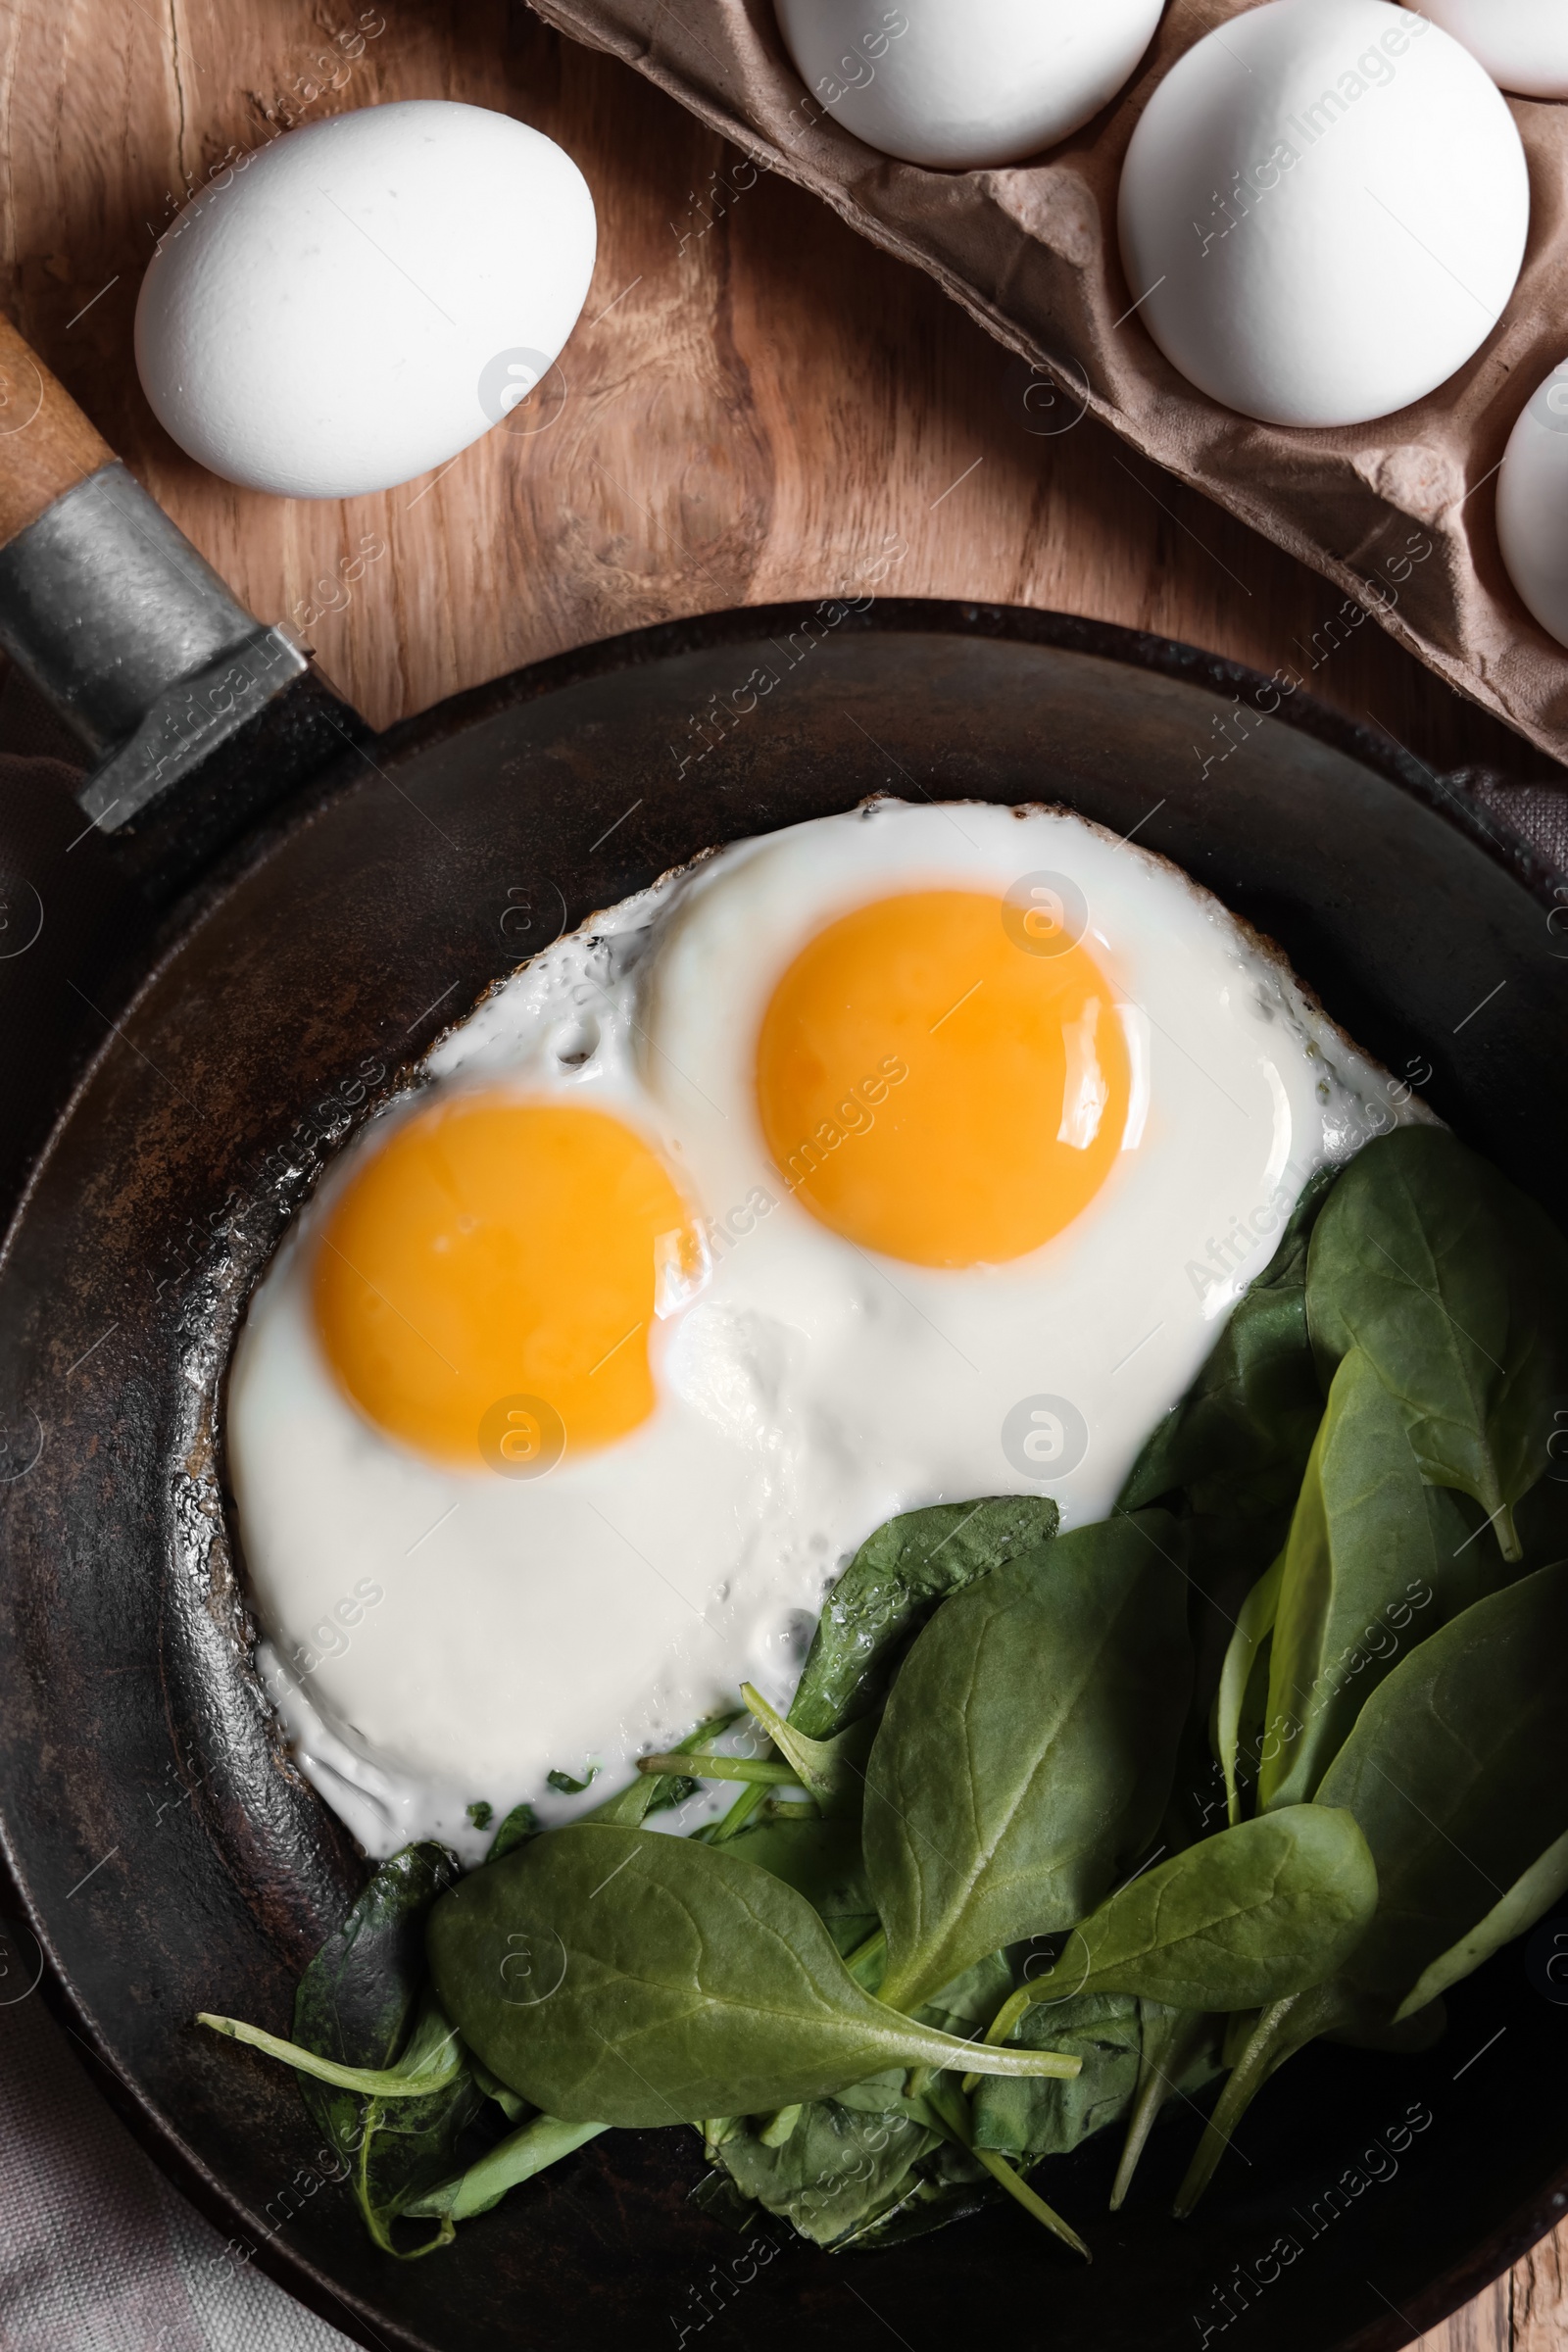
[{"x": 1398, "y": 513}]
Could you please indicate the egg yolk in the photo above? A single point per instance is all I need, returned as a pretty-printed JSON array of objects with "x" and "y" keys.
[
  {"x": 941, "y": 1081},
  {"x": 495, "y": 1251}
]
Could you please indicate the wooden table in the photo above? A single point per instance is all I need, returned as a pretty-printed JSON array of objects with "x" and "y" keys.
[{"x": 755, "y": 406}]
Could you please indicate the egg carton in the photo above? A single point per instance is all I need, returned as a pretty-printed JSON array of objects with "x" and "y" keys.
[{"x": 1398, "y": 513}]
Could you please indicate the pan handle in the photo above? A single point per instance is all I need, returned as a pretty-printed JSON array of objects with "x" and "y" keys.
[
  {"x": 47, "y": 446},
  {"x": 192, "y": 714}
]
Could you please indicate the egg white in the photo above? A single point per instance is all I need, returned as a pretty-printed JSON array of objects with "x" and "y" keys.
[{"x": 808, "y": 1390}]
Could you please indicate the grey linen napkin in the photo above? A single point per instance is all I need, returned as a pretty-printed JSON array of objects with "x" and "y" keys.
[{"x": 97, "y": 2252}]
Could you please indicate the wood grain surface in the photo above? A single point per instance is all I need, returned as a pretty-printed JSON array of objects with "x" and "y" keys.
[{"x": 755, "y": 406}]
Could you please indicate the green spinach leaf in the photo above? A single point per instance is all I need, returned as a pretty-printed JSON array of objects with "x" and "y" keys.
[
  {"x": 1457, "y": 1287},
  {"x": 894, "y": 1584},
  {"x": 1260, "y": 1911},
  {"x": 1027, "y": 1750},
  {"x": 357, "y": 1999},
  {"x": 1530, "y": 1897},
  {"x": 953, "y": 2111},
  {"x": 520, "y": 1823},
  {"x": 692, "y": 1985},
  {"x": 361, "y": 2005},
  {"x": 1376, "y": 1561},
  {"x": 944, "y": 2187},
  {"x": 1237, "y": 1444},
  {"x": 1255, "y": 1625},
  {"x": 1457, "y": 1773},
  {"x": 1030, "y": 2120},
  {"x": 821, "y": 1860},
  {"x": 1360, "y": 1542},
  {"x": 837, "y": 2171}
]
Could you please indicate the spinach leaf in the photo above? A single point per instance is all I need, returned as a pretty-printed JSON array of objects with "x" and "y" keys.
[
  {"x": 1376, "y": 1561},
  {"x": 837, "y": 2171},
  {"x": 1237, "y": 1444},
  {"x": 520, "y": 1823},
  {"x": 953, "y": 2111},
  {"x": 1260, "y": 1911},
  {"x": 1530, "y": 1897},
  {"x": 359, "y": 2005},
  {"x": 893, "y": 1586},
  {"x": 1027, "y": 1750},
  {"x": 1359, "y": 1539},
  {"x": 357, "y": 1999},
  {"x": 944, "y": 2187},
  {"x": 1457, "y": 1287},
  {"x": 966, "y": 2006},
  {"x": 1255, "y": 1624},
  {"x": 1458, "y": 1774},
  {"x": 1030, "y": 2120},
  {"x": 821, "y": 1860},
  {"x": 693, "y": 1985}
]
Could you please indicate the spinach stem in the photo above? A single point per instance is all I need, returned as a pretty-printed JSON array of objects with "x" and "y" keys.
[
  {"x": 1016, "y": 2186},
  {"x": 543, "y": 2141},
  {"x": 952, "y": 2110},
  {"x": 1007, "y": 2015},
  {"x": 739, "y": 1813},
  {"x": 1280, "y": 2030},
  {"x": 377, "y": 2220},
  {"x": 1171, "y": 2037},
  {"x": 374, "y": 2083},
  {"x": 860, "y": 1961}
]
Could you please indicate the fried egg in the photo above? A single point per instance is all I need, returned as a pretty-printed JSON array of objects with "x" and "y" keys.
[{"x": 907, "y": 1155}]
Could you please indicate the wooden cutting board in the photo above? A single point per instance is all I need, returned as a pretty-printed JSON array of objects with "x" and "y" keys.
[{"x": 755, "y": 406}]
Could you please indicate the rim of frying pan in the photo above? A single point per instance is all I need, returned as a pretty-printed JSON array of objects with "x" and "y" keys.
[
  {"x": 1447, "y": 796},
  {"x": 649, "y": 648}
]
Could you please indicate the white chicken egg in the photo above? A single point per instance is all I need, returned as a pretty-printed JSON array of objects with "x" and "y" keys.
[
  {"x": 362, "y": 299},
  {"x": 1532, "y": 504},
  {"x": 909, "y": 1156},
  {"x": 958, "y": 83},
  {"x": 1323, "y": 211},
  {"x": 1522, "y": 43}
]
